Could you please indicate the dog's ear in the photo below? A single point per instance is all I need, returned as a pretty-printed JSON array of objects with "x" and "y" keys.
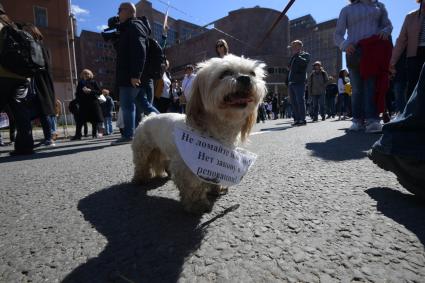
[
  {"x": 249, "y": 123},
  {"x": 195, "y": 108}
]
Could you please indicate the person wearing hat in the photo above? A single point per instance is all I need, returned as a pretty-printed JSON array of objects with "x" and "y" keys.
[
  {"x": 412, "y": 41},
  {"x": 296, "y": 81},
  {"x": 317, "y": 82},
  {"x": 365, "y": 21}
]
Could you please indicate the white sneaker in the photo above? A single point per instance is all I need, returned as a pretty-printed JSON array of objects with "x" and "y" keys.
[
  {"x": 356, "y": 126},
  {"x": 374, "y": 127}
]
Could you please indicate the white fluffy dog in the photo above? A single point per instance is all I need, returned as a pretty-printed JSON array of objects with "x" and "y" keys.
[{"x": 223, "y": 105}]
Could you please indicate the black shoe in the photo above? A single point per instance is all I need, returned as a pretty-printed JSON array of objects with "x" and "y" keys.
[
  {"x": 323, "y": 118},
  {"x": 302, "y": 123},
  {"x": 21, "y": 152},
  {"x": 409, "y": 171},
  {"x": 121, "y": 141},
  {"x": 296, "y": 123},
  {"x": 76, "y": 138}
]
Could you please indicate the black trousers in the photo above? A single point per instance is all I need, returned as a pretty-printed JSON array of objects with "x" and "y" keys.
[
  {"x": 11, "y": 90},
  {"x": 414, "y": 67}
]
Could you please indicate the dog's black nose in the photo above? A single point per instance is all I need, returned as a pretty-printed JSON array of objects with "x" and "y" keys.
[{"x": 244, "y": 80}]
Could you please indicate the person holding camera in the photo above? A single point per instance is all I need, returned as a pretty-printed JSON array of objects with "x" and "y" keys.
[{"x": 131, "y": 58}]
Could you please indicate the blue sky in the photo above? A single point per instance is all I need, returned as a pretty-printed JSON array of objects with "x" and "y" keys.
[{"x": 93, "y": 14}]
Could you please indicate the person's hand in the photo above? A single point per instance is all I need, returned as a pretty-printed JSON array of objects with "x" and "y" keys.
[
  {"x": 350, "y": 49},
  {"x": 383, "y": 35},
  {"x": 135, "y": 82},
  {"x": 86, "y": 90}
]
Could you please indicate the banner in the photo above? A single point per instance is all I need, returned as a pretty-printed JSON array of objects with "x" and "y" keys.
[{"x": 211, "y": 161}]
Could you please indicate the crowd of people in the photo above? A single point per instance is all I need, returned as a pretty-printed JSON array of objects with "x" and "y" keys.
[{"x": 381, "y": 83}]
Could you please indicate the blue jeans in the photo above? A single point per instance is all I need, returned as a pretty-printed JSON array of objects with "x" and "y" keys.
[
  {"x": 405, "y": 136},
  {"x": 52, "y": 119},
  {"x": 130, "y": 98},
  {"x": 318, "y": 104},
  {"x": 296, "y": 94},
  {"x": 107, "y": 123},
  {"x": 362, "y": 101}
]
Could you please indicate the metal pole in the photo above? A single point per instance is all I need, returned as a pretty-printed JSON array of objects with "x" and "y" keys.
[{"x": 71, "y": 19}]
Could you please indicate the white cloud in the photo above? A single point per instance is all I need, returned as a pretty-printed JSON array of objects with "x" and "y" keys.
[
  {"x": 78, "y": 11},
  {"x": 102, "y": 27}
]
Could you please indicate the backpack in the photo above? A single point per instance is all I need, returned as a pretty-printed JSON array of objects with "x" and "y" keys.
[
  {"x": 155, "y": 60},
  {"x": 20, "y": 53}
]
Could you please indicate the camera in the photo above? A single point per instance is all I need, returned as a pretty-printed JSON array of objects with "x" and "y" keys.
[{"x": 112, "y": 33}]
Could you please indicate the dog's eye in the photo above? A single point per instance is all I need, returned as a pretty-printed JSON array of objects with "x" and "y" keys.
[
  {"x": 226, "y": 73},
  {"x": 252, "y": 73}
]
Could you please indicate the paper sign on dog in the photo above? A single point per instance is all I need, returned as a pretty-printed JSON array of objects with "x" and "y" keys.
[{"x": 210, "y": 160}]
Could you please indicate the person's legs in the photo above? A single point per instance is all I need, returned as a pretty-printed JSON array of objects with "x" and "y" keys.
[
  {"x": 370, "y": 108},
  {"x": 315, "y": 102},
  {"x": 24, "y": 142},
  {"x": 293, "y": 96},
  {"x": 400, "y": 95},
  {"x": 322, "y": 106},
  {"x": 357, "y": 98},
  {"x": 401, "y": 148},
  {"x": 143, "y": 100},
  {"x": 128, "y": 108},
  {"x": 301, "y": 101},
  {"x": 47, "y": 128},
  {"x": 109, "y": 125}
]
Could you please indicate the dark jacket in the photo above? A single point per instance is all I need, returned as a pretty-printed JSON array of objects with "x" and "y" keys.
[
  {"x": 332, "y": 90},
  {"x": 298, "y": 67},
  {"x": 107, "y": 107},
  {"x": 89, "y": 110},
  {"x": 44, "y": 86},
  {"x": 131, "y": 51}
]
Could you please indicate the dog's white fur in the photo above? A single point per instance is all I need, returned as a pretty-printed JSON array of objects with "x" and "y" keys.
[{"x": 221, "y": 106}]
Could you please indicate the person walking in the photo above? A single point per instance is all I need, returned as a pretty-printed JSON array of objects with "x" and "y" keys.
[
  {"x": 368, "y": 28},
  {"x": 14, "y": 88},
  {"x": 410, "y": 44},
  {"x": 296, "y": 81},
  {"x": 331, "y": 95},
  {"x": 42, "y": 105},
  {"x": 107, "y": 108},
  {"x": 401, "y": 148},
  {"x": 317, "y": 82},
  {"x": 131, "y": 57},
  {"x": 188, "y": 79},
  {"x": 87, "y": 95}
]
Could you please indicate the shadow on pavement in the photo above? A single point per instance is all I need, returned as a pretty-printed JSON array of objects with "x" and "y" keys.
[
  {"x": 45, "y": 153},
  {"x": 275, "y": 129},
  {"x": 350, "y": 146},
  {"x": 405, "y": 209},
  {"x": 148, "y": 237}
]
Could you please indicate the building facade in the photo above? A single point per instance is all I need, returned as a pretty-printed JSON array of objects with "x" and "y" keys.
[
  {"x": 53, "y": 20},
  {"x": 243, "y": 30},
  {"x": 98, "y": 56},
  {"x": 318, "y": 39}
]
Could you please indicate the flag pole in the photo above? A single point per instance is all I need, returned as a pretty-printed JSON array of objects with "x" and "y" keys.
[{"x": 288, "y": 6}]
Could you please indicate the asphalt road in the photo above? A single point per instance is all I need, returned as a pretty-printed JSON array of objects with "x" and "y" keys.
[{"x": 313, "y": 208}]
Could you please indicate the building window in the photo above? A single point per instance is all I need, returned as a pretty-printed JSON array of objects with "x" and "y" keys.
[{"x": 40, "y": 16}]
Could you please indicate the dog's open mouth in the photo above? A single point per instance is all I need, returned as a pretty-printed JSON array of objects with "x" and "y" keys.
[{"x": 238, "y": 99}]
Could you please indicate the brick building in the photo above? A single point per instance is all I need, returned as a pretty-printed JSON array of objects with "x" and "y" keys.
[
  {"x": 243, "y": 29},
  {"x": 95, "y": 54},
  {"x": 52, "y": 18},
  {"x": 318, "y": 40}
]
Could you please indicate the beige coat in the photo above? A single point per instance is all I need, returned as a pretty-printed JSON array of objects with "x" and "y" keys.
[{"x": 409, "y": 36}]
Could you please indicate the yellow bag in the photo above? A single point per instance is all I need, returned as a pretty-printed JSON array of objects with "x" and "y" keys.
[{"x": 348, "y": 89}]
